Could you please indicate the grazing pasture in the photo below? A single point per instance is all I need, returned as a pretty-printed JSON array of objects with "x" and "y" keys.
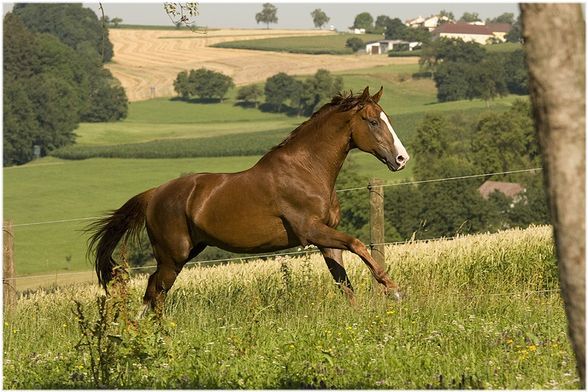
[{"x": 480, "y": 311}]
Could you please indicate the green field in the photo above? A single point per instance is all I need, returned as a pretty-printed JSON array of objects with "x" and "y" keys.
[
  {"x": 480, "y": 312},
  {"x": 320, "y": 44}
]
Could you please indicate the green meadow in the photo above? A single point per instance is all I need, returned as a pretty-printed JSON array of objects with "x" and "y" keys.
[
  {"x": 214, "y": 137},
  {"x": 320, "y": 44},
  {"x": 480, "y": 312}
]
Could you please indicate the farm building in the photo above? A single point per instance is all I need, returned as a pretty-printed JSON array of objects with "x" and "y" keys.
[
  {"x": 512, "y": 190},
  {"x": 382, "y": 47},
  {"x": 472, "y": 32}
]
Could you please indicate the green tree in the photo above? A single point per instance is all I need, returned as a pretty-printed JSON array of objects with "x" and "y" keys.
[
  {"x": 250, "y": 94},
  {"x": 507, "y": 17},
  {"x": 115, "y": 22},
  {"x": 381, "y": 23},
  {"x": 20, "y": 123},
  {"x": 319, "y": 18},
  {"x": 395, "y": 29},
  {"x": 280, "y": 88},
  {"x": 267, "y": 15},
  {"x": 418, "y": 34},
  {"x": 451, "y": 80},
  {"x": 207, "y": 84},
  {"x": 355, "y": 43},
  {"x": 363, "y": 21},
  {"x": 70, "y": 22},
  {"x": 469, "y": 17},
  {"x": 182, "y": 85},
  {"x": 108, "y": 100},
  {"x": 447, "y": 14},
  {"x": 318, "y": 90},
  {"x": 517, "y": 74},
  {"x": 515, "y": 33}
]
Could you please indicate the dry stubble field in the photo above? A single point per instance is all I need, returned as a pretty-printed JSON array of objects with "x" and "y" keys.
[{"x": 147, "y": 61}]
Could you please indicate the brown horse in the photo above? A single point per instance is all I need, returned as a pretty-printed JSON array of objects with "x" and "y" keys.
[{"x": 285, "y": 200}]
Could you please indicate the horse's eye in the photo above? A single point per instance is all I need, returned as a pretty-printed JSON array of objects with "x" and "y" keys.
[{"x": 374, "y": 122}]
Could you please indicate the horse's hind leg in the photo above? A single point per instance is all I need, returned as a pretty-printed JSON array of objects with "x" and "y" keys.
[
  {"x": 169, "y": 265},
  {"x": 334, "y": 259}
]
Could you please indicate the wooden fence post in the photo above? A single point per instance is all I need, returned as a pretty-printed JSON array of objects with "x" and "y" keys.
[
  {"x": 9, "y": 284},
  {"x": 377, "y": 221}
]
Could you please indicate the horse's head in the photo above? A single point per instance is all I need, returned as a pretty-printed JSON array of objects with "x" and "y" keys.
[{"x": 372, "y": 132}]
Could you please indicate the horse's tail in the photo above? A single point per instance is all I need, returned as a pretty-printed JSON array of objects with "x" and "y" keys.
[{"x": 107, "y": 232}]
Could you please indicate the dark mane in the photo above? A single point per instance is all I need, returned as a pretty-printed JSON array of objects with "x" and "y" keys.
[{"x": 341, "y": 102}]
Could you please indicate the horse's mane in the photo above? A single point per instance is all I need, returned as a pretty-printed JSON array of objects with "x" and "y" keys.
[{"x": 341, "y": 102}]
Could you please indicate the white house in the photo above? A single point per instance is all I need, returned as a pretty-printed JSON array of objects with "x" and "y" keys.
[
  {"x": 356, "y": 31},
  {"x": 470, "y": 32},
  {"x": 383, "y": 46},
  {"x": 430, "y": 23}
]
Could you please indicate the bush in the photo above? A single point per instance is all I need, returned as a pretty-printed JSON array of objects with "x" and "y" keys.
[
  {"x": 355, "y": 44},
  {"x": 249, "y": 94},
  {"x": 203, "y": 83}
]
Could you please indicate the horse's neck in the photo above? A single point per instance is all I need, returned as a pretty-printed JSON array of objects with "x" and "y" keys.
[{"x": 321, "y": 149}]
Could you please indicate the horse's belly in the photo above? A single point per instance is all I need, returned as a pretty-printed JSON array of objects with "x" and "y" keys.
[{"x": 254, "y": 235}]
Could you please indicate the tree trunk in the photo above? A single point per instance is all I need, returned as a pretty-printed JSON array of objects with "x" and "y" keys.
[{"x": 555, "y": 43}]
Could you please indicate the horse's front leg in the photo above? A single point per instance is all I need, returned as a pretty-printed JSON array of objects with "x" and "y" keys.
[{"x": 324, "y": 236}]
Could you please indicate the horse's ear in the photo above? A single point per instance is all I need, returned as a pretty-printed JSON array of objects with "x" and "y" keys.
[
  {"x": 365, "y": 95},
  {"x": 376, "y": 97}
]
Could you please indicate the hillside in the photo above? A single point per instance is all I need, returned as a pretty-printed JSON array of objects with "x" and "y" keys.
[{"x": 147, "y": 61}]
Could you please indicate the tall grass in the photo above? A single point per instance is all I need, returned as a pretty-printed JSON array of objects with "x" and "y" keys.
[{"x": 479, "y": 312}]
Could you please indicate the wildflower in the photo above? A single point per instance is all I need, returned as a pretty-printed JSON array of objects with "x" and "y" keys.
[
  {"x": 390, "y": 312},
  {"x": 532, "y": 347},
  {"x": 291, "y": 347},
  {"x": 172, "y": 324},
  {"x": 509, "y": 341}
]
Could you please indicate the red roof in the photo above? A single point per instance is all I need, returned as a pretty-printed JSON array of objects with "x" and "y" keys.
[
  {"x": 499, "y": 27},
  {"x": 509, "y": 189},
  {"x": 463, "y": 28}
]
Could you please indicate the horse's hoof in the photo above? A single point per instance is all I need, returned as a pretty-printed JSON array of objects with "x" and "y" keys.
[{"x": 395, "y": 294}]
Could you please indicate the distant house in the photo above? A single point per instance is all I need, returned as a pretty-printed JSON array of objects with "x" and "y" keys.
[
  {"x": 499, "y": 30},
  {"x": 383, "y": 46},
  {"x": 471, "y": 32},
  {"x": 430, "y": 23},
  {"x": 356, "y": 31},
  {"x": 512, "y": 190}
]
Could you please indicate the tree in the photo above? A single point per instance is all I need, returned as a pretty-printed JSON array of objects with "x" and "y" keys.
[
  {"x": 507, "y": 17},
  {"x": 71, "y": 23},
  {"x": 363, "y": 21},
  {"x": 354, "y": 43},
  {"x": 267, "y": 15},
  {"x": 514, "y": 34},
  {"x": 115, "y": 22},
  {"x": 447, "y": 14},
  {"x": 469, "y": 17},
  {"x": 108, "y": 100},
  {"x": 249, "y": 94},
  {"x": 556, "y": 58},
  {"x": 207, "y": 84},
  {"x": 395, "y": 29},
  {"x": 381, "y": 23},
  {"x": 279, "y": 88},
  {"x": 319, "y": 18},
  {"x": 182, "y": 85},
  {"x": 517, "y": 74},
  {"x": 319, "y": 89}
]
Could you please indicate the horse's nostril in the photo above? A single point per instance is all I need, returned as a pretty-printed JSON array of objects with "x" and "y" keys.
[{"x": 400, "y": 159}]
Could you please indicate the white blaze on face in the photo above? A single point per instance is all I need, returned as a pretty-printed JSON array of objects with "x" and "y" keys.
[{"x": 400, "y": 150}]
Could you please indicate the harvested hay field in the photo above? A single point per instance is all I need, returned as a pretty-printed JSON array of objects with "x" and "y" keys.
[{"x": 147, "y": 61}]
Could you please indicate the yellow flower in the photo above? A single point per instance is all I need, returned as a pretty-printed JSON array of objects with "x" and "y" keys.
[
  {"x": 532, "y": 347},
  {"x": 509, "y": 341},
  {"x": 291, "y": 346},
  {"x": 390, "y": 312},
  {"x": 172, "y": 324}
]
